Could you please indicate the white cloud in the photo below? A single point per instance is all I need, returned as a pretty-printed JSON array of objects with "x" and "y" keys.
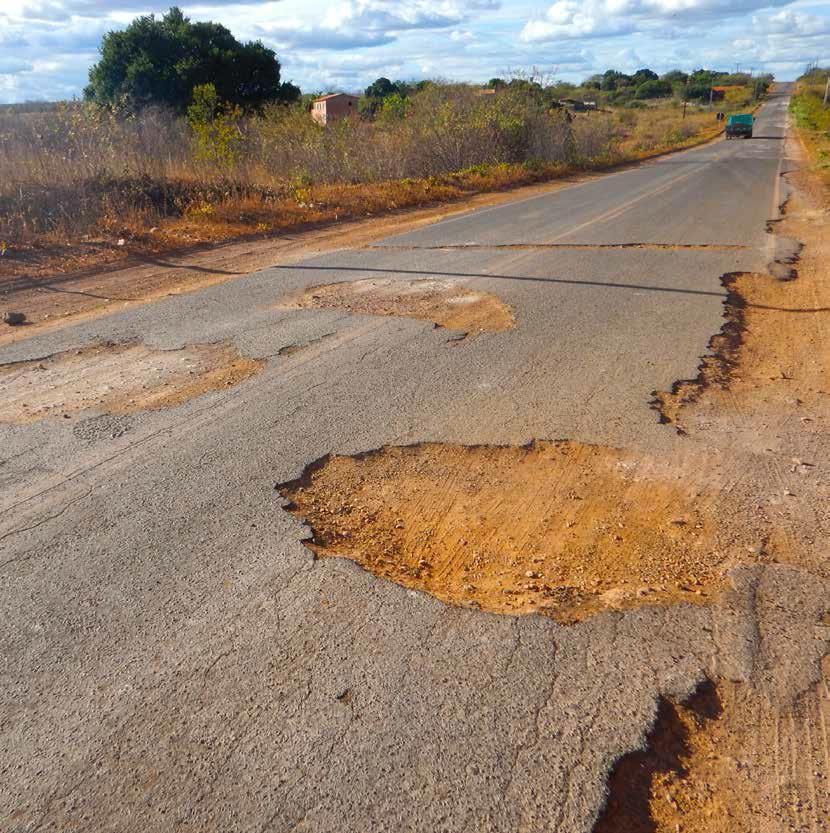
[
  {"x": 13, "y": 66},
  {"x": 320, "y": 37},
  {"x": 54, "y": 10},
  {"x": 791, "y": 22},
  {"x": 47, "y": 46},
  {"x": 609, "y": 18},
  {"x": 354, "y": 24}
]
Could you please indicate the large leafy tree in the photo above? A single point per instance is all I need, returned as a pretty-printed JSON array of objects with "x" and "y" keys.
[
  {"x": 381, "y": 88},
  {"x": 643, "y": 75},
  {"x": 654, "y": 88},
  {"x": 161, "y": 61}
]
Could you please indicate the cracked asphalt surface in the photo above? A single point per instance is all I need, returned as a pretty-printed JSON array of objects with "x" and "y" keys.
[{"x": 172, "y": 657}]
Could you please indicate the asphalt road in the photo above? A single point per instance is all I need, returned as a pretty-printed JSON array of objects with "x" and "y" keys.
[{"x": 172, "y": 657}]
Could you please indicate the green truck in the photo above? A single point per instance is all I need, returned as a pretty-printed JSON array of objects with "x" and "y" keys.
[{"x": 740, "y": 126}]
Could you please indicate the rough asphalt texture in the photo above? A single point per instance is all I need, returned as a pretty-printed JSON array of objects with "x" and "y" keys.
[{"x": 173, "y": 659}]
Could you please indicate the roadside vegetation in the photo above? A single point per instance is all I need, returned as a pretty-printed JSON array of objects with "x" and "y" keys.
[
  {"x": 165, "y": 157},
  {"x": 812, "y": 117}
]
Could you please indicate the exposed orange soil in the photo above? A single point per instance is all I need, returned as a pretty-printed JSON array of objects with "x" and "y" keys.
[
  {"x": 117, "y": 379},
  {"x": 728, "y": 760},
  {"x": 563, "y": 528},
  {"x": 768, "y": 394},
  {"x": 676, "y": 781},
  {"x": 771, "y": 362},
  {"x": 717, "y": 366},
  {"x": 444, "y": 302}
]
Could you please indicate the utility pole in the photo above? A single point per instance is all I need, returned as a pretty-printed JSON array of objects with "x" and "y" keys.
[{"x": 827, "y": 90}]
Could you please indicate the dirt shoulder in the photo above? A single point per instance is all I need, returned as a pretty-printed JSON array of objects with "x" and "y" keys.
[{"x": 759, "y": 759}]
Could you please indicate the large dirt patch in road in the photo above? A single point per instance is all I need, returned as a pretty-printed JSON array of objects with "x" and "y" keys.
[
  {"x": 117, "y": 379},
  {"x": 559, "y": 527},
  {"x": 443, "y": 302}
]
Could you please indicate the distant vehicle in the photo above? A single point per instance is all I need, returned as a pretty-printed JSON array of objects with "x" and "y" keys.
[{"x": 740, "y": 126}]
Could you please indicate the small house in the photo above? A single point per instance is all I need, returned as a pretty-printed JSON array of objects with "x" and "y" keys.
[{"x": 333, "y": 107}]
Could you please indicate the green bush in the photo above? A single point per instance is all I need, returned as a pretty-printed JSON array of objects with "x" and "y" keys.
[
  {"x": 653, "y": 88},
  {"x": 217, "y": 136},
  {"x": 808, "y": 109}
]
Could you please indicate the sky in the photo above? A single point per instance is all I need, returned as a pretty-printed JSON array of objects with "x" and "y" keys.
[{"x": 48, "y": 46}]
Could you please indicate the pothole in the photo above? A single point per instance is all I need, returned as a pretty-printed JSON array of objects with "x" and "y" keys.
[
  {"x": 443, "y": 302},
  {"x": 559, "y": 527},
  {"x": 717, "y": 366},
  {"x": 117, "y": 379},
  {"x": 678, "y": 781}
]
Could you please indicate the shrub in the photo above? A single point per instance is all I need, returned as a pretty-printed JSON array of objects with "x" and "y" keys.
[
  {"x": 653, "y": 88},
  {"x": 83, "y": 169},
  {"x": 217, "y": 137}
]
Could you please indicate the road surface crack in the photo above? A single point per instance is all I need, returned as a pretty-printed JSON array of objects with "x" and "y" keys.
[
  {"x": 41, "y": 522},
  {"x": 448, "y": 247}
]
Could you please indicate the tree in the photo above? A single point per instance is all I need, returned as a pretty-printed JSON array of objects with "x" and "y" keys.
[
  {"x": 381, "y": 88},
  {"x": 675, "y": 76},
  {"x": 643, "y": 75},
  {"x": 612, "y": 80},
  {"x": 162, "y": 61},
  {"x": 653, "y": 88},
  {"x": 705, "y": 77}
]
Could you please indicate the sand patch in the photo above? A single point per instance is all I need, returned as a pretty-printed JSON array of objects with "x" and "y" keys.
[
  {"x": 117, "y": 379},
  {"x": 443, "y": 302}
]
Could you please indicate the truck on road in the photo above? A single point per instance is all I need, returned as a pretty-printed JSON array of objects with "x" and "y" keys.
[{"x": 740, "y": 126}]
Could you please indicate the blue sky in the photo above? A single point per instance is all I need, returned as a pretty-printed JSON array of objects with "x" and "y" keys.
[{"x": 47, "y": 46}]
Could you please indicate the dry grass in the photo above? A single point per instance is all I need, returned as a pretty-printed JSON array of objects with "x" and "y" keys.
[
  {"x": 813, "y": 121},
  {"x": 82, "y": 178}
]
